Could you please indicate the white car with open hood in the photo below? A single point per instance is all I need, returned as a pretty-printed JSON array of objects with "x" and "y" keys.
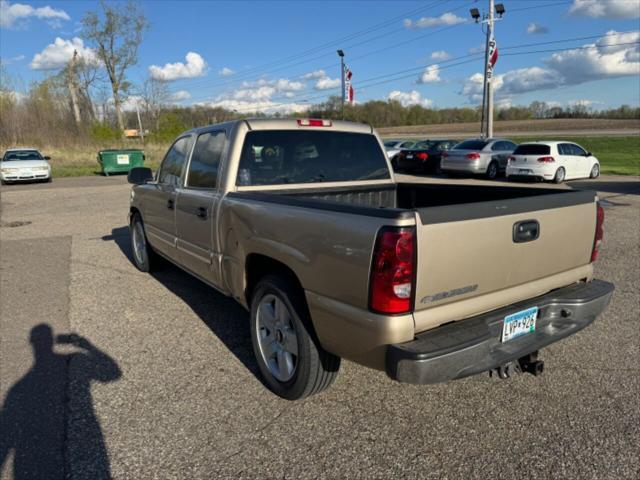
[
  {"x": 552, "y": 161},
  {"x": 24, "y": 165}
]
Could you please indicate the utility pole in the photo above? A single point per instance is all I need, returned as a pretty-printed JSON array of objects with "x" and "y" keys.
[
  {"x": 73, "y": 87},
  {"x": 490, "y": 47},
  {"x": 488, "y": 73},
  {"x": 139, "y": 121},
  {"x": 341, "y": 55}
]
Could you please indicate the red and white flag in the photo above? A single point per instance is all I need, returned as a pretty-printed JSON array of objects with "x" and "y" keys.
[
  {"x": 348, "y": 87},
  {"x": 492, "y": 58}
]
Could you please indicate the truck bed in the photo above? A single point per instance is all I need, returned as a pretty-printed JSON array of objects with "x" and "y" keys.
[{"x": 397, "y": 199}]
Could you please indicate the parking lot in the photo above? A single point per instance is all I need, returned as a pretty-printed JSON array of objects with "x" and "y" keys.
[{"x": 162, "y": 383}]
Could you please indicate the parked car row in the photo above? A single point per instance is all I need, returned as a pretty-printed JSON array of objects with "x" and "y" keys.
[{"x": 555, "y": 161}]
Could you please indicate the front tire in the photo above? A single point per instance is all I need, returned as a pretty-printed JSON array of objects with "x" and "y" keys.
[
  {"x": 144, "y": 258},
  {"x": 559, "y": 176},
  {"x": 292, "y": 363},
  {"x": 595, "y": 171}
]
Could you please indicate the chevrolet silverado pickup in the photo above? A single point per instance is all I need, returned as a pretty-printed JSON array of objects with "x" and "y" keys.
[{"x": 303, "y": 223}]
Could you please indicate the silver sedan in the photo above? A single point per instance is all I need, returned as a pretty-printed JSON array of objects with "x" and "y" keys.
[{"x": 488, "y": 156}]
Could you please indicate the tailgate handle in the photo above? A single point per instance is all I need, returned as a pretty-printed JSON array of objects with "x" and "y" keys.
[{"x": 526, "y": 231}]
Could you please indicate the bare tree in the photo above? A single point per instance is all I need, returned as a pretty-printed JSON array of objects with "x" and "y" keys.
[
  {"x": 117, "y": 37},
  {"x": 155, "y": 95}
]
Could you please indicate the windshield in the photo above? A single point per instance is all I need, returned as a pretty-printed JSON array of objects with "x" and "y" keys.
[
  {"x": 390, "y": 144},
  {"x": 285, "y": 156},
  {"x": 532, "y": 150},
  {"x": 471, "y": 145},
  {"x": 22, "y": 155}
]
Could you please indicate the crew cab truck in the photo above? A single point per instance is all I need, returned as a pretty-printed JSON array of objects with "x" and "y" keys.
[{"x": 302, "y": 222}]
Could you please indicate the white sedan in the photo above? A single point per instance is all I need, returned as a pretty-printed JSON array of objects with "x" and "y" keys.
[
  {"x": 552, "y": 161},
  {"x": 24, "y": 165}
]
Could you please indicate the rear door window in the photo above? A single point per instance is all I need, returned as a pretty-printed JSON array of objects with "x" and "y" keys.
[
  {"x": 276, "y": 157},
  {"x": 171, "y": 169},
  {"x": 532, "y": 150},
  {"x": 565, "y": 149},
  {"x": 205, "y": 160}
]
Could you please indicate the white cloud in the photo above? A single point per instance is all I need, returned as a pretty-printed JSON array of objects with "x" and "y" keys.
[
  {"x": 606, "y": 8},
  {"x": 9, "y": 61},
  {"x": 431, "y": 74},
  {"x": 57, "y": 54},
  {"x": 314, "y": 75},
  {"x": 326, "y": 83},
  {"x": 267, "y": 106},
  {"x": 180, "y": 96},
  {"x": 410, "y": 98},
  {"x": 603, "y": 59},
  {"x": 426, "y": 22},
  {"x": 10, "y": 13},
  {"x": 440, "y": 55},
  {"x": 195, "y": 67},
  {"x": 536, "y": 29},
  {"x": 225, "y": 72}
]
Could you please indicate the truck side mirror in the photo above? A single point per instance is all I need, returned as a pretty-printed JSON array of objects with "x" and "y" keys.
[{"x": 139, "y": 175}]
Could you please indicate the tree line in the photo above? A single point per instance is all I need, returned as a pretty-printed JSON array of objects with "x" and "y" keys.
[{"x": 84, "y": 102}]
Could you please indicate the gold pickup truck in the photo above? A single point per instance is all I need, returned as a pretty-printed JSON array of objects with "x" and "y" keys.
[{"x": 302, "y": 222}]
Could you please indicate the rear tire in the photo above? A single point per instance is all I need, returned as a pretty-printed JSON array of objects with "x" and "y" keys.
[
  {"x": 144, "y": 258},
  {"x": 559, "y": 176},
  {"x": 595, "y": 171},
  {"x": 492, "y": 171},
  {"x": 290, "y": 358}
]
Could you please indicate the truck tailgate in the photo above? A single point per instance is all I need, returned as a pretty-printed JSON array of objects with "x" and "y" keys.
[{"x": 477, "y": 250}]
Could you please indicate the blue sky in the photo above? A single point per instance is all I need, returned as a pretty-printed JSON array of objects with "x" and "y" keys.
[{"x": 236, "y": 50}]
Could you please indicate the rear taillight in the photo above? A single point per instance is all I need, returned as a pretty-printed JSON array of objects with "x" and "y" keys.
[
  {"x": 473, "y": 156},
  {"x": 313, "y": 122},
  {"x": 422, "y": 156},
  {"x": 392, "y": 271},
  {"x": 546, "y": 160},
  {"x": 597, "y": 239},
  {"x": 511, "y": 159}
]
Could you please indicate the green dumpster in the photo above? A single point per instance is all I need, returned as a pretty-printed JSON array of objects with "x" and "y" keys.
[{"x": 120, "y": 161}]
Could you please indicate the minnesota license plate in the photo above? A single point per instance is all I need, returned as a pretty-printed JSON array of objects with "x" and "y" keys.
[
  {"x": 519, "y": 323},
  {"x": 524, "y": 171}
]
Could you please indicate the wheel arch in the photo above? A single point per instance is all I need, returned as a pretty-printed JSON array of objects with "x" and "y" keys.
[{"x": 258, "y": 265}]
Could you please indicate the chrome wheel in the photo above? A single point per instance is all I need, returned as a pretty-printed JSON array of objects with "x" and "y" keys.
[
  {"x": 277, "y": 339},
  {"x": 559, "y": 178},
  {"x": 595, "y": 171},
  {"x": 139, "y": 243}
]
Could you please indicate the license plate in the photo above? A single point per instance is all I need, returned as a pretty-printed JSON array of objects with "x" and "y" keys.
[
  {"x": 409, "y": 157},
  {"x": 524, "y": 171},
  {"x": 122, "y": 159},
  {"x": 520, "y": 323}
]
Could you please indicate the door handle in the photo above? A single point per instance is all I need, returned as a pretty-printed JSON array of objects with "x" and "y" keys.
[
  {"x": 526, "y": 231},
  {"x": 170, "y": 204},
  {"x": 202, "y": 212}
]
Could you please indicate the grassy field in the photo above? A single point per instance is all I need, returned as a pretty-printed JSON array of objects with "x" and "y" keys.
[
  {"x": 617, "y": 154},
  {"x": 81, "y": 160}
]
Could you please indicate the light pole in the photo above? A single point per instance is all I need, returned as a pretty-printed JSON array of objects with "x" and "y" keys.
[
  {"x": 341, "y": 55},
  {"x": 487, "y": 91}
]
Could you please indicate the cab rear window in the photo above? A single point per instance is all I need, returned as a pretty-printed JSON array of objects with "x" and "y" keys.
[
  {"x": 532, "y": 150},
  {"x": 277, "y": 157}
]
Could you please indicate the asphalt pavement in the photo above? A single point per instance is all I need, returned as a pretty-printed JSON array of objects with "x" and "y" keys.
[{"x": 158, "y": 381}]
